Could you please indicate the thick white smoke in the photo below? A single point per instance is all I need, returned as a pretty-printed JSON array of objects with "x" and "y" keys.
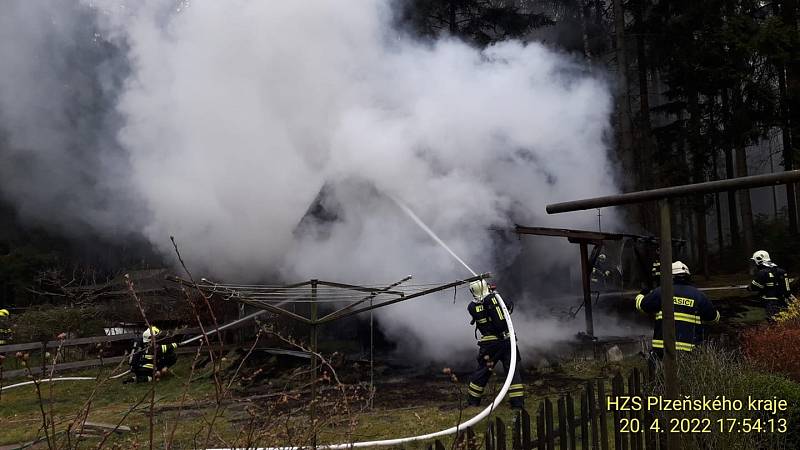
[{"x": 236, "y": 115}]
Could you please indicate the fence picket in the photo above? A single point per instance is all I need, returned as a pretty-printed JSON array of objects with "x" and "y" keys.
[
  {"x": 526, "y": 430},
  {"x": 602, "y": 407},
  {"x": 548, "y": 424},
  {"x": 500, "y": 434},
  {"x": 562, "y": 423},
  {"x": 572, "y": 444},
  {"x": 540, "y": 436},
  {"x": 592, "y": 402},
  {"x": 615, "y": 393},
  {"x": 489, "y": 438},
  {"x": 584, "y": 421},
  {"x": 516, "y": 431}
]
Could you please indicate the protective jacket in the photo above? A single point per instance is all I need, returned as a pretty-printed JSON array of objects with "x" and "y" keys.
[
  {"x": 143, "y": 360},
  {"x": 494, "y": 347},
  {"x": 692, "y": 308},
  {"x": 488, "y": 318},
  {"x": 771, "y": 282},
  {"x": 5, "y": 330}
]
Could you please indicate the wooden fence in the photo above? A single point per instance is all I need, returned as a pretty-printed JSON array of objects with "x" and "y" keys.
[
  {"x": 79, "y": 353},
  {"x": 574, "y": 420}
]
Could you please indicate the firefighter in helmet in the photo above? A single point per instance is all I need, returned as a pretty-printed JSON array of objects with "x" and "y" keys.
[
  {"x": 771, "y": 283},
  {"x": 494, "y": 346},
  {"x": 5, "y": 327},
  {"x": 150, "y": 357},
  {"x": 601, "y": 272},
  {"x": 692, "y": 309}
]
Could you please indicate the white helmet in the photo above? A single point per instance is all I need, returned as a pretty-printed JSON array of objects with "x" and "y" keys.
[
  {"x": 760, "y": 257},
  {"x": 150, "y": 333},
  {"x": 479, "y": 289},
  {"x": 679, "y": 268},
  {"x": 601, "y": 257}
]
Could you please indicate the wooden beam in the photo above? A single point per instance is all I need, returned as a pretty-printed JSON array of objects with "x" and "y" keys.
[{"x": 578, "y": 235}]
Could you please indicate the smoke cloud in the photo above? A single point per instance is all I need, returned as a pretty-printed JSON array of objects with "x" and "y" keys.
[{"x": 225, "y": 123}]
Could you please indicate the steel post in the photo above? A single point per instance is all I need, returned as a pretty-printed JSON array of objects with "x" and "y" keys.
[
  {"x": 587, "y": 295},
  {"x": 313, "y": 345}
]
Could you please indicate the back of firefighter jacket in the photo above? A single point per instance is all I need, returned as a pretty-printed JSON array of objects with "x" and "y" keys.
[
  {"x": 488, "y": 317},
  {"x": 692, "y": 308},
  {"x": 772, "y": 283}
]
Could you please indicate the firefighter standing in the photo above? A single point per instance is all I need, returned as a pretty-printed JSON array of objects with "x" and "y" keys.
[
  {"x": 601, "y": 273},
  {"x": 692, "y": 308},
  {"x": 151, "y": 357},
  {"x": 5, "y": 327},
  {"x": 494, "y": 345},
  {"x": 771, "y": 282}
]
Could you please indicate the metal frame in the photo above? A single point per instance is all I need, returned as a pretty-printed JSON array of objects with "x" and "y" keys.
[
  {"x": 584, "y": 238},
  {"x": 662, "y": 196},
  {"x": 314, "y": 321}
]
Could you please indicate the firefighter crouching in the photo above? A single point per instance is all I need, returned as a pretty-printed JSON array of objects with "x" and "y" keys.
[
  {"x": 772, "y": 284},
  {"x": 151, "y": 358},
  {"x": 5, "y": 327},
  {"x": 494, "y": 346},
  {"x": 692, "y": 309}
]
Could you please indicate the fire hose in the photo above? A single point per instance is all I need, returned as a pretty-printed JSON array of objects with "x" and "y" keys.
[
  {"x": 452, "y": 430},
  {"x": 120, "y": 375}
]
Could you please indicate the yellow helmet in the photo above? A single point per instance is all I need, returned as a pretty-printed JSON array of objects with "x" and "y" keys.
[
  {"x": 4, "y": 313},
  {"x": 150, "y": 333},
  {"x": 479, "y": 289}
]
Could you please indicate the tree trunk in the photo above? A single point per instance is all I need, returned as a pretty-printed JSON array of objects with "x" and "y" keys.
[
  {"x": 744, "y": 199},
  {"x": 733, "y": 220},
  {"x": 788, "y": 154},
  {"x": 789, "y": 85},
  {"x": 698, "y": 205},
  {"x": 718, "y": 206},
  {"x": 452, "y": 18},
  {"x": 583, "y": 12},
  {"x": 623, "y": 100}
]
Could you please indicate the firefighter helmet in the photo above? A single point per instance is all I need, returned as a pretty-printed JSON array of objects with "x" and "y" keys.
[
  {"x": 680, "y": 269},
  {"x": 4, "y": 313},
  {"x": 760, "y": 257},
  {"x": 601, "y": 257},
  {"x": 150, "y": 333},
  {"x": 479, "y": 289}
]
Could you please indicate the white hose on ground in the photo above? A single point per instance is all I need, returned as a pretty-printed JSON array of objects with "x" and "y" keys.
[
  {"x": 120, "y": 375},
  {"x": 452, "y": 430}
]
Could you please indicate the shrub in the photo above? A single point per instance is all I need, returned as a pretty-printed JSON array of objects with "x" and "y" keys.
[
  {"x": 775, "y": 347},
  {"x": 711, "y": 371},
  {"x": 45, "y": 324}
]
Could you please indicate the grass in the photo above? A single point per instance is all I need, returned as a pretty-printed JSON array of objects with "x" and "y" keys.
[{"x": 418, "y": 414}]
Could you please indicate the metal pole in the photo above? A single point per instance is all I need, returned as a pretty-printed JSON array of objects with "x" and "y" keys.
[
  {"x": 587, "y": 295},
  {"x": 707, "y": 187},
  {"x": 313, "y": 360},
  {"x": 371, "y": 358},
  {"x": 668, "y": 312}
]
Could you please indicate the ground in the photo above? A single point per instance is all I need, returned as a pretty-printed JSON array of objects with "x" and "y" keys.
[{"x": 421, "y": 400}]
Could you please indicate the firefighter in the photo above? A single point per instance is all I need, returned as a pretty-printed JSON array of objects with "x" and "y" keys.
[
  {"x": 5, "y": 327},
  {"x": 151, "y": 358},
  {"x": 771, "y": 282},
  {"x": 601, "y": 274},
  {"x": 692, "y": 308},
  {"x": 494, "y": 346}
]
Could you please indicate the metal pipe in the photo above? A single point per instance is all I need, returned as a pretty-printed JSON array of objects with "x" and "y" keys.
[
  {"x": 677, "y": 191},
  {"x": 408, "y": 297}
]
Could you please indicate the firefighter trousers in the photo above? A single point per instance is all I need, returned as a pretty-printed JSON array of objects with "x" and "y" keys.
[{"x": 489, "y": 355}]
